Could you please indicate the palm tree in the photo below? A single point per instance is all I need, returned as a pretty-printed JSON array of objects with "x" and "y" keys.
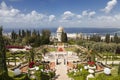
[
  {"x": 77, "y": 51},
  {"x": 32, "y": 55},
  {"x": 14, "y": 57},
  {"x": 39, "y": 56},
  {"x": 44, "y": 51},
  {"x": 92, "y": 55},
  {"x": 106, "y": 58}
]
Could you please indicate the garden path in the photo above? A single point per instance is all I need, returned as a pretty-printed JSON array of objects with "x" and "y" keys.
[{"x": 61, "y": 71}]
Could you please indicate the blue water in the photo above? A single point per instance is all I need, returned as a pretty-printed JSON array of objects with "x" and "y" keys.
[{"x": 77, "y": 30}]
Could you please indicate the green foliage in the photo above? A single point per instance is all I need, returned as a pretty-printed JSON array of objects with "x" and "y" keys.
[
  {"x": 41, "y": 67},
  {"x": 28, "y": 37},
  {"x": 21, "y": 77},
  {"x": 106, "y": 77},
  {"x": 44, "y": 51},
  {"x": 51, "y": 74},
  {"x": 80, "y": 42},
  {"x": 44, "y": 76},
  {"x": 71, "y": 41},
  {"x": 3, "y": 66},
  {"x": 32, "y": 54},
  {"x": 101, "y": 46},
  {"x": 1, "y": 30},
  {"x": 95, "y": 37},
  {"x": 38, "y": 75},
  {"x": 45, "y": 37},
  {"x": 80, "y": 75},
  {"x": 64, "y": 37},
  {"x": 107, "y": 38},
  {"x": 119, "y": 69},
  {"x": 116, "y": 38},
  {"x": 79, "y": 66},
  {"x": 93, "y": 53},
  {"x": 13, "y": 35},
  {"x": 77, "y": 51},
  {"x": 4, "y": 76}
]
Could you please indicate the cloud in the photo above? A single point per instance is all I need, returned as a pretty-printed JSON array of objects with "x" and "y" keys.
[
  {"x": 68, "y": 15},
  {"x": 6, "y": 11},
  {"x": 51, "y": 18},
  {"x": 105, "y": 21},
  {"x": 35, "y": 17},
  {"x": 79, "y": 16},
  {"x": 3, "y": 5},
  {"x": 91, "y": 14},
  {"x": 110, "y": 6},
  {"x": 88, "y": 13},
  {"x": 85, "y": 13},
  {"x": 85, "y": 20},
  {"x": 10, "y": 15}
]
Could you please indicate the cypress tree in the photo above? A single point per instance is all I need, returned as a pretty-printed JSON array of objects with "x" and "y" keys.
[
  {"x": 45, "y": 38},
  {"x": 19, "y": 33},
  {"x": 23, "y": 33},
  {"x": 3, "y": 66},
  {"x": 119, "y": 69},
  {"x": 107, "y": 38},
  {"x": 116, "y": 39},
  {"x": 64, "y": 37},
  {"x": 13, "y": 36},
  {"x": 32, "y": 54}
]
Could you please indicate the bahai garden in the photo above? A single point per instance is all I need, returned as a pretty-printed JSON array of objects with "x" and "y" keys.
[{"x": 36, "y": 55}]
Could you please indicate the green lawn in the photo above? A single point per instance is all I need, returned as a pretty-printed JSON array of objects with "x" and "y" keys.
[
  {"x": 98, "y": 76},
  {"x": 10, "y": 73}
]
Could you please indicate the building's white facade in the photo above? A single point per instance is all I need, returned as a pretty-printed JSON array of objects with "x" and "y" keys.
[{"x": 59, "y": 33}]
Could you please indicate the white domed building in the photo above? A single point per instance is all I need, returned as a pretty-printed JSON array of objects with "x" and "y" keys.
[{"x": 59, "y": 33}]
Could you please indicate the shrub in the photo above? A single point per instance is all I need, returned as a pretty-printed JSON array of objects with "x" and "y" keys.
[
  {"x": 119, "y": 69},
  {"x": 5, "y": 77}
]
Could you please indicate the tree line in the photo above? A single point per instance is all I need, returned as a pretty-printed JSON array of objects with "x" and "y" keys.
[
  {"x": 108, "y": 39},
  {"x": 28, "y": 37}
]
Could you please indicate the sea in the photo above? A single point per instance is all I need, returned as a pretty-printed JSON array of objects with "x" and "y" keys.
[{"x": 88, "y": 31}]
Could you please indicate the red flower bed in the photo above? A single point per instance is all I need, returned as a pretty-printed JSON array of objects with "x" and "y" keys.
[
  {"x": 60, "y": 49},
  {"x": 28, "y": 49},
  {"x": 18, "y": 47},
  {"x": 31, "y": 64},
  {"x": 91, "y": 63}
]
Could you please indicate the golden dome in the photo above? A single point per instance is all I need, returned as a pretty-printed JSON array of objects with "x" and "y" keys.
[{"x": 60, "y": 29}]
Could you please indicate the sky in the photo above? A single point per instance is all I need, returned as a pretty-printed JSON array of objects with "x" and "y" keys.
[{"x": 54, "y": 13}]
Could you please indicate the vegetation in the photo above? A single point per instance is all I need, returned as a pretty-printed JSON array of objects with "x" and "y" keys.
[
  {"x": 29, "y": 37},
  {"x": 44, "y": 51},
  {"x": 3, "y": 66},
  {"x": 64, "y": 37},
  {"x": 119, "y": 69},
  {"x": 79, "y": 75},
  {"x": 77, "y": 51},
  {"x": 108, "y": 48},
  {"x": 105, "y": 77}
]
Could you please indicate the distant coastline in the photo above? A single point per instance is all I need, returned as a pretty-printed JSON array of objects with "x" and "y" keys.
[{"x": 100, "y": 31}]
